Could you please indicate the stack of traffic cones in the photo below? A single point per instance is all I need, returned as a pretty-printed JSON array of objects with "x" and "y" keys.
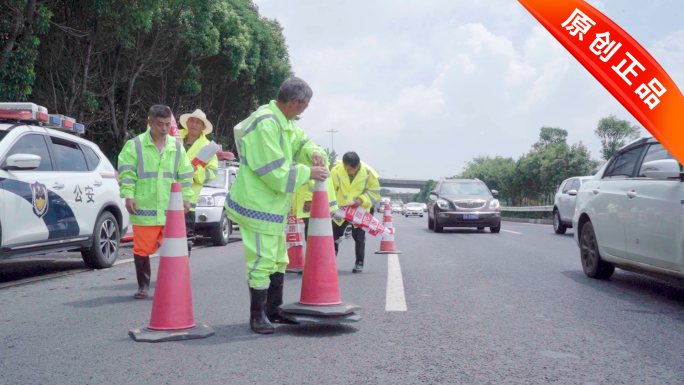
[
  {"x": 320, "y": 301},
  {"x": 295, "y": 244},
  {"x": 172, "y": 316},
  {"x": 387, "y": 245}
]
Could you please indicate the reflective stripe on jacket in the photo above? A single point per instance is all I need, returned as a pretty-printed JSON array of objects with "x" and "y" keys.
[
  {"x": 275, "y": 157},
  {"x": 364, "y": 186},
  {"x": 146, "y": 176},
  {"x": 202, "y": 174}
]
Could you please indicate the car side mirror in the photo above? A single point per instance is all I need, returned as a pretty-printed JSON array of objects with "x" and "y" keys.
[
  {"x": 432, "y": 196},
  {"x": 22, "y": 162},
  {"x": 661, "y": 169},
  {"x": 572, "y": 193},
  {"x": 495, "y": 192}
]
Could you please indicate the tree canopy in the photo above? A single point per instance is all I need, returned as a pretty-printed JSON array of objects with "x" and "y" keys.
[
  {"x": 105, "y": 62},
  {"x": 613, "y": 133}
]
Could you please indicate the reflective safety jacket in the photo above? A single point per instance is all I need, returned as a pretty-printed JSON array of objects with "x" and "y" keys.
[
  {"x": 146, "y": 176},
  {"x": 365, "y": 186},
  {"x": 275, "y": 160},
  {"x": 305, "y": 194},
  {"x": 202, "y": 174}
]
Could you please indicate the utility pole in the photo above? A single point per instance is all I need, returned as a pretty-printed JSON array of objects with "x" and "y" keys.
[{"x": 332, "y": 134}]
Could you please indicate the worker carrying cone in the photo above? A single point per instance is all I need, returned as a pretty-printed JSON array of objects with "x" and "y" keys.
[
  {"x": 276, "y": 158},
  {"x": 172, "y": 314},
  {"x": 356, "y": 184},
  {"x": 320, "y": 301}
]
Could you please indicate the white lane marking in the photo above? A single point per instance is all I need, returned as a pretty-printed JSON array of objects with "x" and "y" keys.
[
  {"x": 509, "y": 231},
  {"x": 395, "y": 301}
]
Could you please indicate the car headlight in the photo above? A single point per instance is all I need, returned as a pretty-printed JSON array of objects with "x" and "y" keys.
[
  {"x": 205, "y": 201},
  {"x": 494, "y": 204},
  {"x": 444, "y": 205}
]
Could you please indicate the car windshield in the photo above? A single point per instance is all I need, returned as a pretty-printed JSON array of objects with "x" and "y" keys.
[
  {"x": 464, "y": 188},
  {"x": 3, "y": 134},
  {"x": 415, "y": 205},
  {"x": 219, "y": 182}
]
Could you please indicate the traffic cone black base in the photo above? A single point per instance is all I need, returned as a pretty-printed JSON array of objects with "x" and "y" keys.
[
  {"x": 388, "y": 252},
  {"x": 295, "y": 271},
  {"x": 307, "y": 319},
  {"x": 144, "y": 334}
]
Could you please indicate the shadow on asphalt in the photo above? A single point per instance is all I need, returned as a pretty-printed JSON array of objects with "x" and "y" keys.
[
  {"x": 16, "y": 270},
  {"x": 131, "y": 286},
  {"x": 315, "y": 331},
  {"x": 640, "y": 290},
  {"x": 105, "y": 301},
  {"x": 460, "y": 231}
]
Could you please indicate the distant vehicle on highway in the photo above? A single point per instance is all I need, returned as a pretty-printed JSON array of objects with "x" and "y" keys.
[
  {"x": 463, "y": 203},
  {"x": 629, "y": 215},
  {"x": 413, "y": 209},
  {"x": 396, "y": 208},
  {"x": 403, "y": 209},
  {"x": 564, "y": 203},
  {"x": 424, "y": 205}
]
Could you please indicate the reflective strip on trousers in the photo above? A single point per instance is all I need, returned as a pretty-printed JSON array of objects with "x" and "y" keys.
[{"x": 258, "y": 252}]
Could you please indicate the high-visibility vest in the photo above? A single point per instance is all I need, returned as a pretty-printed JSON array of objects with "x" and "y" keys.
[
  {"x": 146, "y": 176},
  {"x": 305, "y": 194},
  {"x": 202, "y": 174},
  {"x": 275, "y": 160},
  {"x": 364, "y": 186}
]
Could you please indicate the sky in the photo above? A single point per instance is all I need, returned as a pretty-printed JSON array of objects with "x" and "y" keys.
[{"x": 419, "y": 87}]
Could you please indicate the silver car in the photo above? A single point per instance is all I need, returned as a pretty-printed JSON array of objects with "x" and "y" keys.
[
  {"x": 414, "y": 209},
  {"x": 210, "y": 215},
  {"x": 564, "y": 203},
  {"x": 629, "y": 215}
]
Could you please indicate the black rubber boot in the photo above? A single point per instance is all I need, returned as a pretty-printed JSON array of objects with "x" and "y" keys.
[
  {"x": 143, "y": 272},
  {"x": 275, "y": 299},
  {"x": 257, "y": 312}
]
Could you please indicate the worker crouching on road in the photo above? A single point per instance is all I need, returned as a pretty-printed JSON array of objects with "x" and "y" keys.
[
  {"x": 196, "y": 127},
  {"x": 148, "y": 165},
  {"x": 276, "y": 158},
  {"x": 355, "y": 184}
]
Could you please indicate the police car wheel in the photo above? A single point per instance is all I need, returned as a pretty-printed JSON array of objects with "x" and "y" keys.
[
  {"x": 221, "y": 233},
  {"x": 105, "y": 248}
]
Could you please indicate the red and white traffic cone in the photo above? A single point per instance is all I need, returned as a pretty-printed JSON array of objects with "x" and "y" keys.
[
  {"x": 295, "y": 244},
  {"x": 320, "y": 301},
  {"x": 387, "y": 245},
  {"x": 172, "y": 316}
]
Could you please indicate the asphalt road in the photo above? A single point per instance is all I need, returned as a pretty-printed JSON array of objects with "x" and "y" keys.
[{"x": 481, "y": 308}]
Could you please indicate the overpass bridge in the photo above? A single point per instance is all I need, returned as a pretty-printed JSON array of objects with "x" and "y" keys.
[{"x": 402, "y": 183}]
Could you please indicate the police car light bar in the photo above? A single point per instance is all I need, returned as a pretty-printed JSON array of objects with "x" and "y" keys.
[
  {"x": 33, "y": 112},
  {"x": 23, "y": 111}
]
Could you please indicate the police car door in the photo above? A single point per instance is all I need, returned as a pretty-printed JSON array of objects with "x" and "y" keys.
[
  {"x": 34, "y": 209},
  {"x": 80, "y": 183}
]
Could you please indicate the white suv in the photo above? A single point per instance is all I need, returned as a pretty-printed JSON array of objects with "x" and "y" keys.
[
  {"x": 629, "y": 214},
  {"x": 564, "y": 203},
  {"x": 57, "y": 191},
  {"x": 210, "y": 216}
]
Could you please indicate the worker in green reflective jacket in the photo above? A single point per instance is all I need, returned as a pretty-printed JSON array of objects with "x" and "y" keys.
[{"x": 276, "y": 158}]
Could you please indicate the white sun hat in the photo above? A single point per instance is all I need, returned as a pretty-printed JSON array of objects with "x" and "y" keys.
[{"x": 208, "y": 127}]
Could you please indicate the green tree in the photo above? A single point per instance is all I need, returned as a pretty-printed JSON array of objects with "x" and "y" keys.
[
  {"x": 549, "y": 136},
  {"x": 332, "y": 157},
  {"x": 385, "y": 191},
  {"x": 422, "y": 196},
  {"x": 613, "y": 133},
  {"x": 21, "y": 24}
]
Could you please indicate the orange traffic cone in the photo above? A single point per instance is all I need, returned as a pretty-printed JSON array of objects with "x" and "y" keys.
[
  {"x": 320, "y": 301},
  {"x": 387, "y": 245},
  {"x": 295, "y": 244},
  {"x": 172, "y": 316}
]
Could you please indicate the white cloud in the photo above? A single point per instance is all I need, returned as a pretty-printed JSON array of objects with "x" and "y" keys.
[{"x": 418, "y": 87}]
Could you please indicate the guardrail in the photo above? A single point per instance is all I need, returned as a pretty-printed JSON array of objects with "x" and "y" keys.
[{"x": 528, "y": 208}]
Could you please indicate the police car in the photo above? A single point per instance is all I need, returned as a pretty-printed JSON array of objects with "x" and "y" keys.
[
  {"x": 57, "y": 191},
  {"x": 211, "y": 219}
]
